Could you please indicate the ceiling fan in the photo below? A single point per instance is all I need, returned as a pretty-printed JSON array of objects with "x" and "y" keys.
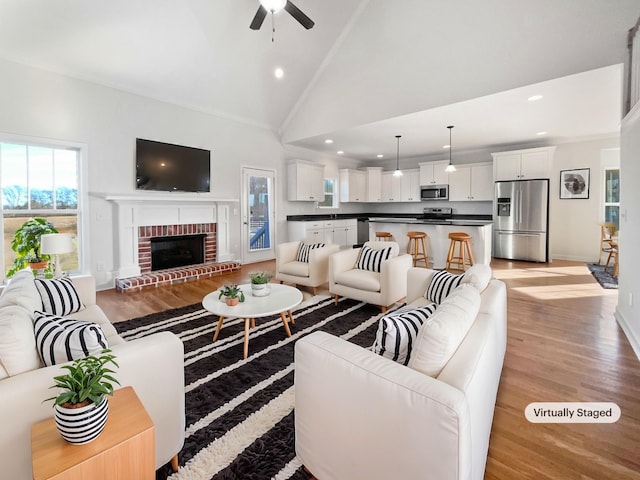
[{"x": 274, "y": 6}]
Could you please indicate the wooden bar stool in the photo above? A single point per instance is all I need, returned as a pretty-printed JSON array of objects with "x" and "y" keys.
[
  {"x": 417, "y": 248},
  {"x": 384, "y": 236},
  {"x": 464, "y": 257}
]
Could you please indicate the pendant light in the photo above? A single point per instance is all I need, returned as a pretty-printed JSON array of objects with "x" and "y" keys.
[
  {"x": 398, "y": 172},
  {"x": 450, "y": 168}
]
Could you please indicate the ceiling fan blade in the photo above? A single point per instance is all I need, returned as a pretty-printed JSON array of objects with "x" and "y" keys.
[
  {"x": 256, "y": 23},
  {"x": 296, "y": 13}
]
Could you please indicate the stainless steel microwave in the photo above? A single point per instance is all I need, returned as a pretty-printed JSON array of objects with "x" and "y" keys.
[{"x": 434, "y": 192}]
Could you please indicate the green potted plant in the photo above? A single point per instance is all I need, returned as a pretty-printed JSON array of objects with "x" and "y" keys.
[
  {"x": 260, "y": 283},
  {"x": 26, "y": 245},
  {"x": 81, "y": 405},
  {"x": 232, "y": 294}
]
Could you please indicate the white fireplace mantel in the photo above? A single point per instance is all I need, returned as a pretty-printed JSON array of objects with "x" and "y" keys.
[{"x": 139, "y": 210}]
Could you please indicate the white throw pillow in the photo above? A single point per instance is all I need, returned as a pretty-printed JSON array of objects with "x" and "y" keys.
[
  {"x": 478, "y": 275},
  {"x": 60, "y": 340},
  {"x": 371, "y": 259},
  {"x": 304, "y": 250},
  {"x": 59, "y": 296},
  {"x": 18, "y": 352},
  {"x": 441, "y": 285},
  {"x": 397, "y": 332},
  {"x": 440, "y": 337}
]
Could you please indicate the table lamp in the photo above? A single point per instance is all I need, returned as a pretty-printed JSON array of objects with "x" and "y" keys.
[{"x": 55, "y": 244}]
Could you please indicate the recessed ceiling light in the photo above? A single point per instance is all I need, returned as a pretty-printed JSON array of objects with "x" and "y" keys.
[
  {"x": 534, "y": 98},
  {"x": 328, "y": 140},
  {"x": 340, "y": 152},
  {"x": 278, "y": 72},
  {"x": 380, "y": 155},
  {"x": 541, "y": 133}
]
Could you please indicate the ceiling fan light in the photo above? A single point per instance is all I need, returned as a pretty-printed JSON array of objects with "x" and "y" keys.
[{"x": 273, "y": 6}]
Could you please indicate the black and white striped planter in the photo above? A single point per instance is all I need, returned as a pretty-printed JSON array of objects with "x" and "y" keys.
[{"x": 82, "y": 425}]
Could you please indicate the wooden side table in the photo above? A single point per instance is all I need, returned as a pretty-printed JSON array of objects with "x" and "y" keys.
[{"x": 124, "y": 450}]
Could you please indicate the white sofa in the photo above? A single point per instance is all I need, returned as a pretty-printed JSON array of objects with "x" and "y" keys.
[
  {"x": 383, "y": 288},
  {"x": 153, "y": 365},
  {"x": 362, "y": 416},
  {"x": 312, "y": 274}
]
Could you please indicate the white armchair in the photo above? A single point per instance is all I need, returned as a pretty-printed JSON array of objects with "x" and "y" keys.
[
  {"x": 311, "y": 274},
  {"x": 383, "y": 288}
]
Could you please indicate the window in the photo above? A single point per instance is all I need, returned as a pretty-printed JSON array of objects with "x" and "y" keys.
[
  {"x": 612, "y": 196},
  {"x": 330, "y": 194},
  {"x": 39, "y": 181}
]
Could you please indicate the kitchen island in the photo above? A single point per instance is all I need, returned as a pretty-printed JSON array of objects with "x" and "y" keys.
[{"x": 438, "y": 235}]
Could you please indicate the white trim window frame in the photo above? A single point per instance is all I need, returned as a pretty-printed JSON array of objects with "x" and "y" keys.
[
  {"x": 330, "y": 190},
  {"x": 60, "y": 152},
  {"x": 611, "y": 203}
]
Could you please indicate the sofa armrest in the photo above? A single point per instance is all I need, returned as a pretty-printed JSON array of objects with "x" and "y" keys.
[
  {"x": 153, "y": 366},
  {"x": 319, "y": 263},
  {"x": 342, "y": 261},
  {"x": 393, "y": 278},
  {"x": 351, "y": 404},
  {"x": 286, "y": 252}
]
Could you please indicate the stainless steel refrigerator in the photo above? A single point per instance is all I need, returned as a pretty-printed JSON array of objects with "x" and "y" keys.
[{"x": 521, "y": 220}]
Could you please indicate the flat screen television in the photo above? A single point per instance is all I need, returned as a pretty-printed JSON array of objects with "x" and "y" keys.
[{"x": 172, "y": 168}]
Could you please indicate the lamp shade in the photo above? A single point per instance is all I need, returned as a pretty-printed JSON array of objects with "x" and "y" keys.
[{"x": 55, "y": 243}]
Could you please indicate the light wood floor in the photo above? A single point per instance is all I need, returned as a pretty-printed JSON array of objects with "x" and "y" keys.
[{"x": 563, "y": 345}]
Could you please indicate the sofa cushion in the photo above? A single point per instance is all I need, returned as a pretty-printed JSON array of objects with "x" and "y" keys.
[
  {"x": 94, "y": 314},
  {"x": 371, "y": 259},
  {"x": 397, "y": 332},
  {"x": 441, "y": 285},
  {"x": 304, "y": 250},
  {"x": 478, "y": 275},
  {"x": 21, "y": 291},
  {"x": 440, "y": 337},
  {"x": 297, "y": 269},
  {"x": 18, "y": 352},
  {"x": 359, "y": 279},
  {"x": 59, "y": 296},
  {"x": 61, "y": 340}
]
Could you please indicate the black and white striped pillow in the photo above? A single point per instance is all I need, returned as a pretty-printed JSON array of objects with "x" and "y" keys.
[
  {"x": 60, "y": 340},
  {"x": 442, "y": 284},
  {"x": 305, "y": 249},
  {"x": 371, "y": 259},
  {"x": 397, "y": 333},
  {"x": 59, "y": 296}
]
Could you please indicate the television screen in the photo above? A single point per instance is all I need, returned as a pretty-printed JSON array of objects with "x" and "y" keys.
[{"x": 167, "y": 167}]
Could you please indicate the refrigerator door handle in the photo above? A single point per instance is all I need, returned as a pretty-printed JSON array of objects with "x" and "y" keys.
[{"x": 520, "y": 234}]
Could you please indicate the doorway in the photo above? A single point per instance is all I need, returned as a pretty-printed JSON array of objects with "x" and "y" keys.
[{"x": 258, "y": 218}]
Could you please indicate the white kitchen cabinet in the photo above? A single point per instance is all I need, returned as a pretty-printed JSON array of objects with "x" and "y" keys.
[
  {"x": 527, "y": 164},
  {"x": 391, "y": 187},
  {"x": 352, "y": 185},
  {"x": 471, "y": 183},
  {"x": 344, "y": 232},
  {"x": 373, "y": 184},
  {"x": 341, "y": 232},
  {"x": 432, "y": 173},
  {"x": 410, "y": 186},
  {"x": 312, "y": 231},
  {"x": 305, "y": 181}
]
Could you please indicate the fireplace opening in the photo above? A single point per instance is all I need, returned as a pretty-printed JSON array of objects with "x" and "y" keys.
[{"x": 177, "y": 251}]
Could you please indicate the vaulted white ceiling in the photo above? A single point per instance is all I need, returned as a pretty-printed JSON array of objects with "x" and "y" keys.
[{"x": 368, "y": 70}]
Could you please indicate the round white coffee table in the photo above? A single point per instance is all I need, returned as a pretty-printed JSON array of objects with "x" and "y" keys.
[{"x": 281, "y": 300}]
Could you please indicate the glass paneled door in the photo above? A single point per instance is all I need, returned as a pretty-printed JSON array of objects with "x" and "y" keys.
[{"x": 257, "y": 214}]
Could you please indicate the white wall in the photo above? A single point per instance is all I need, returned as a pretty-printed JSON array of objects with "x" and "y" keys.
[
  {"x": 628, "y": 310},
  {"x": 42, "y": 104},
  {"x": 574, "y": 224}
]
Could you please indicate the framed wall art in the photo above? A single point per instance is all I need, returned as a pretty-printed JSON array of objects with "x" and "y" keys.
[{"x": 574, "y": 183}]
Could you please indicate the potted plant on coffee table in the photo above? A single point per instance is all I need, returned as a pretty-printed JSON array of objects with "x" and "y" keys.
[
  {"x": 81, "y": 406},
  {"x": 260, "y": 283},
  {"x": 232, "y": 294},
  {"x": 26, "y": 244}
]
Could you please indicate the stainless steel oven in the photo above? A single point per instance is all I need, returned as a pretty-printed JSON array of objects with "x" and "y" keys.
[{"x": 434, "y": 192}]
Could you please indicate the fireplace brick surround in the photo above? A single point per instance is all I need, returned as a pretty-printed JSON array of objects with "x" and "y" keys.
[{"x": 191, "y": 272}]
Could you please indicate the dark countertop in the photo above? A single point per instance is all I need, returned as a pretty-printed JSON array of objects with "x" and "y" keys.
[{"x": 414, "y": 218}]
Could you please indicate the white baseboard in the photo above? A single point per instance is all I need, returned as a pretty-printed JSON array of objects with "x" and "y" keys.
[
  {"x": 626, "y": 328},
  {"x": 573, "y": 258}
]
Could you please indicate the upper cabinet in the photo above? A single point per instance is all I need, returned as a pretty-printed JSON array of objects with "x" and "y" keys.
[
  {"x": 391, "y": 187},
  {"x": 471, "y": 183},
  {"x": 432, "y": 173},
  {"x": 523, "y": 164},
  {"x": 352, "y": 185},
  {"x": 305, "y": 181},
  {"x": 410, "y": 186},
  {"x": 373, "y": 184}
]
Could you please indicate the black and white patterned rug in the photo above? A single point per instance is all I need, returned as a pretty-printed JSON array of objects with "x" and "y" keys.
[
  {"x": 604, "y": 277},
  {"x": 240, "y": 412}
]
